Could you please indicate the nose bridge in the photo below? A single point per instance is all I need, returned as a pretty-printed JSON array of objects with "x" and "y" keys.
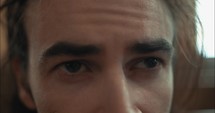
[{"x": 117, "y": 97}]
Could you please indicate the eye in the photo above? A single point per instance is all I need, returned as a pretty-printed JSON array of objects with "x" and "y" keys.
[
  {"x": 74, "y": 67},
  {"x": 149, "y": 63}
]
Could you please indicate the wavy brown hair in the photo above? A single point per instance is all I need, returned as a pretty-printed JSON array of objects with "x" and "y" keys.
[{"x": 187, "y": 63}]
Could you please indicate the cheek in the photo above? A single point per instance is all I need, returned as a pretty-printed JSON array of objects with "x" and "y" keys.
[
  {"x": 156, "y": 97},
  {"x": 153, "y": 102},
  {"x": 52, "y": 97}
]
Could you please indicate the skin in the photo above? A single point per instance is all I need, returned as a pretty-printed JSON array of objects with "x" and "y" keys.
[{"x": 114, "y": 80}]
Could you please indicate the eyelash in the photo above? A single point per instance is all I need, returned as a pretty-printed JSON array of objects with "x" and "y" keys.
[
  {"x": 79, "y": 65},
  {"x": 142, "y": 61}
]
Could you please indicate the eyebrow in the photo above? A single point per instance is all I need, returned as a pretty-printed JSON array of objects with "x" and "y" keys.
[
  {"x": 152, "y": 46},
  {"x": 65, "y": 48}
]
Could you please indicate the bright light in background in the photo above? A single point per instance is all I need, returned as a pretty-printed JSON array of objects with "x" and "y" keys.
[{"x": 205, "y": 10}]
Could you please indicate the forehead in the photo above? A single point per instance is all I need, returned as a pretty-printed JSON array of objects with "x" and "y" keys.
[{"x": 92, "y": 18}]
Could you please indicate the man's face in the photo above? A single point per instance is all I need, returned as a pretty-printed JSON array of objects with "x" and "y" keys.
[{"x": 100, "y": 56}]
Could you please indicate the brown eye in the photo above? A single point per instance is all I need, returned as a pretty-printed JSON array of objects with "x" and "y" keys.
[
  {"x": 150, "y": 62},
  {"x": 74, "y": 67},
  {"x": 73, "y": 71}
]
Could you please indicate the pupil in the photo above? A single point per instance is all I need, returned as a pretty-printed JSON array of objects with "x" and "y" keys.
[
  {"x": 73, "y": 66},
  {"x": 151, "y": 62}
]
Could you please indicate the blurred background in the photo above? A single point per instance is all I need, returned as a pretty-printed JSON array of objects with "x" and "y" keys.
[{"x": 205, "y": 101}]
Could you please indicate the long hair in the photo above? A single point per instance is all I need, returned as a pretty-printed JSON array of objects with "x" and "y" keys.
[{"x": 187, "y": 64}]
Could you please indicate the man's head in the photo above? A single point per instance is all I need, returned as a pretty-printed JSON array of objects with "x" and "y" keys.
[{"x": 95, "y": 56}]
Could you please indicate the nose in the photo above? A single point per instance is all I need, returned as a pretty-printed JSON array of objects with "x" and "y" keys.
[{"x": 117, "y": 93}]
